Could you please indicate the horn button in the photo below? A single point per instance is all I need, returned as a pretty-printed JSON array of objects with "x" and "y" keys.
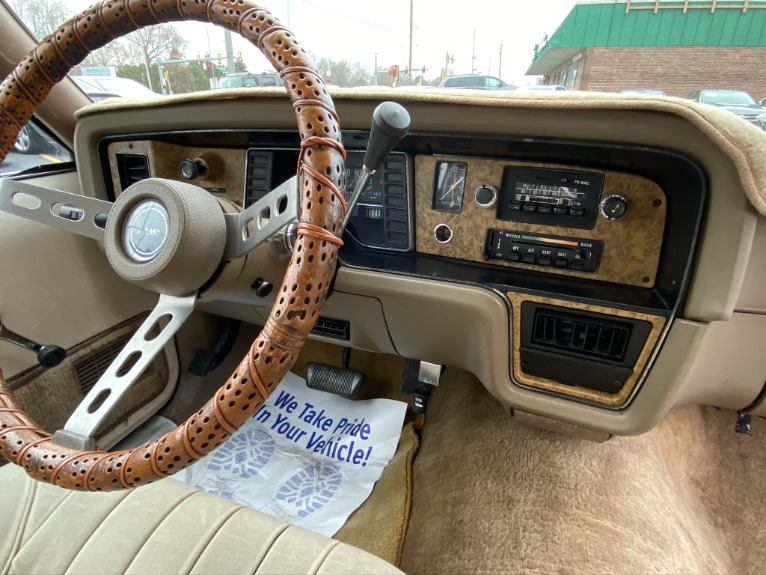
[
  {"x": 165, "y": 236},
  {"x": 145, "y": 230}
]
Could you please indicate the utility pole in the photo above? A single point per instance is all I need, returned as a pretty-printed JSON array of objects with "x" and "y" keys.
[
  {"x": 473, "y": 52},
  {"x": 210, "y": 56},
  {"x": 376, "y": 68},
  {"x": 229, "y": 51},
  {"x": 411, "y": 29},
  {"x": 500, "y": 65}
]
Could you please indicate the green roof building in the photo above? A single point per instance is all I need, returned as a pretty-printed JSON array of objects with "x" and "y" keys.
[{"x": 670, "y": 45}]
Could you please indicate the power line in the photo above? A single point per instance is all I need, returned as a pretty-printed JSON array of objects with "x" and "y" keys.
[{"x": 347, "y": 16}]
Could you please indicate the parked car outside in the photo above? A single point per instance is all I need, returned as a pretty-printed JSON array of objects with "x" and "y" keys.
[
  {"x": 249, "y": 80},
  {"x": 119, "y": 87},
  {"x": 650, "y": 92},
  {"x": 545, "y": 88},
  {"x": 476, "y": 82},
  {"x": 32, "y": 139},
  {"x": 93, "y": 91},
  {"x": 735, "y": 101}
]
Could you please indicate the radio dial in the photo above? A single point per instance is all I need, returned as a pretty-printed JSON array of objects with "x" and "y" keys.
[
  {"x": 614, "y": 207},
  {"x": 485, "y": 196}
]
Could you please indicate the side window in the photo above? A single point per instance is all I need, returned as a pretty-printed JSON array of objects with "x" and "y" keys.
[
  {"x": 490, "y": 82},
  {"x": 268, "y": 81},
  {"x": 35, "y": 149},
  {"x": 475, "y": 82},
  {"x": 249, "y": 82}
]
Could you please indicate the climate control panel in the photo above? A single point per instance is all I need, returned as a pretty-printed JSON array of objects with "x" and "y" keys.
[{"x": 576, "y": 254}]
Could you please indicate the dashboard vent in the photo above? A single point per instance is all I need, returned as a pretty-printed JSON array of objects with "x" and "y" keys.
[
  {"x": 258, "y": 175},
  {"x": 132, "y": 168},
  {"x": 581, "y": 335},
  {"x": 334, "y": 328}
]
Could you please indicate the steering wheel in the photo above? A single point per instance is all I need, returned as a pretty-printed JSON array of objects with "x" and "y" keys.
[{"x": 171, "y": 237}]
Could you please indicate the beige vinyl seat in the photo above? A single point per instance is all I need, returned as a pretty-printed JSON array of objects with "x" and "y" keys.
[{"x": 165, "y": 527}]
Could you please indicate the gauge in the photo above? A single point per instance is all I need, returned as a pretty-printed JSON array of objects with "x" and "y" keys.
[
  {"x": 449, "y": 186},
  {"x": 373, "y": 191}
]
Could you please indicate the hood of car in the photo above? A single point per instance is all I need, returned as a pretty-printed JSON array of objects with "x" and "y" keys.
[{"x": 753, "y": 110}]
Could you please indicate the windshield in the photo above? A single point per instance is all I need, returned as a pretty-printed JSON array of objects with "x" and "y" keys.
[
  {"x": 725, "y": 98},
  {"x": 672, "y": 47}
]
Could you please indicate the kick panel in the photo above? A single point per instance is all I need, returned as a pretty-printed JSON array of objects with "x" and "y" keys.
[{"x": 567, "y": 220}]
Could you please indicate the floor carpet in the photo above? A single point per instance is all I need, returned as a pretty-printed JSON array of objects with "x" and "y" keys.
[{"x": 494, "y": 496}]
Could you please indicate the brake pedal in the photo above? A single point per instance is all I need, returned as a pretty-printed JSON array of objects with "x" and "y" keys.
[{"x": 331, "y": 379}]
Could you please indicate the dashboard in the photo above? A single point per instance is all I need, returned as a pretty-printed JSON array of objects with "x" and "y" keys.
[
  {"x": 586, "y": 267},
  {"x": 578, "y": 249}
]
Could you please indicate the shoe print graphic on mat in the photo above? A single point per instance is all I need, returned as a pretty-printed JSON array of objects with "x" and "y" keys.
[
  {"x": 243, "y": 455},
  {"x": 311, "y": 488}
]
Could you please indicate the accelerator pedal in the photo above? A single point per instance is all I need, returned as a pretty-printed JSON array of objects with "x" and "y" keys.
[{"x": 332, "y": 379}]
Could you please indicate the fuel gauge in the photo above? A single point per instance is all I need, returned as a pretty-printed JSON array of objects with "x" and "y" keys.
[{"x": 449, "y": 185}]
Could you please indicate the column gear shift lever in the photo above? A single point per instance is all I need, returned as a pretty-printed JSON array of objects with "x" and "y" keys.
[{"x": 390, "y": 123}]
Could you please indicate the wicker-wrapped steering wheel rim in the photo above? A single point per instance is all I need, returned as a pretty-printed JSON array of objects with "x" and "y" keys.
[{"x": 305, "y": 286}]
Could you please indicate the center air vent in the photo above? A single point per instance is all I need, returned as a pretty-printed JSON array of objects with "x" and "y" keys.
[
  {"x": 132, "y": 168},
  {"x": 334, "y": 328},
  {"x": 581, "y": 335}
]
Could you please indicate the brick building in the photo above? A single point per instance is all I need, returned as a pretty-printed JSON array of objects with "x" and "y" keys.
[{"x": 670, "y": 45}]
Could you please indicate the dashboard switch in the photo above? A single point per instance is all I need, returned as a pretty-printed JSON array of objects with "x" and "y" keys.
[
  {"x": 561, "y": 263},
  {"x": 485, "y": 196},
  {"x": 529, "y": 258},
  {"x": 193, "y": 169},
  {"x": 614, "y": 207},
  {"x": 560, "y": 210},
  {"x": 530, "y": 207}
]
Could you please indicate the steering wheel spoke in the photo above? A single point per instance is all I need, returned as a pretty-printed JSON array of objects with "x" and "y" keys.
[
  {"x": 71, "y": 212},
  {"x": 248, "y": 229},
  {"x": 137, "y": 355}
]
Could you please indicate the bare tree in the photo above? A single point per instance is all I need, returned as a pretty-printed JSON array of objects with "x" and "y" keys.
[
  {"x": 344, "y": 73},
  {"x": 42, "y": 17},
  {"x": 157, "y": 41},
  {"x": 117, "y": 53}
]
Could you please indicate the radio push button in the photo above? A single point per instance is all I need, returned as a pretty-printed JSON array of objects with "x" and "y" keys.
[
  {"x": 530, "y": 207},
  {"x": 560, "y": 210}
]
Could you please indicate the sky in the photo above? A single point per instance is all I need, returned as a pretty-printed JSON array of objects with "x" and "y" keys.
[{"x": 356, "y": 30}]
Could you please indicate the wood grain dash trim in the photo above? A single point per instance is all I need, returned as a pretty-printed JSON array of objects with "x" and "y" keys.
[{"x": 599, "y": 397}]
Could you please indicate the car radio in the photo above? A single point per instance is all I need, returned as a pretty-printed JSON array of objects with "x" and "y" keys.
[{"x": 549, "y": 197}]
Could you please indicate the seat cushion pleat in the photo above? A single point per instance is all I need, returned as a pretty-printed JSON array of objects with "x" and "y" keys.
[
  {"x": 243, "y": 530},
  {"x": 129, "y": 526},
  {"x": 176, "y": 544}
]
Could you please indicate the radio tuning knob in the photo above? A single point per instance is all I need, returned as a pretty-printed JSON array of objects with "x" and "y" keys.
[
  {"x": 485, "y": 196},
  {"x": 614, "y": 207}
]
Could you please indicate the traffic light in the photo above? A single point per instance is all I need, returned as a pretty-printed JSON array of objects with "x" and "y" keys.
[
  {"x": 391, "y": 71},
  {"x": 239, "y": 56},
  {"x": 396, "y": 71},
  {"x": 442, "y": 74},
  {"x": 219, "y": 59},
  {"x": 406, "y": 69},
  {"x": 423, "y": 69}
]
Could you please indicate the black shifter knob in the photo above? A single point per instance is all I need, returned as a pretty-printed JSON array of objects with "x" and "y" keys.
[{"x": 390, "y": 123}]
